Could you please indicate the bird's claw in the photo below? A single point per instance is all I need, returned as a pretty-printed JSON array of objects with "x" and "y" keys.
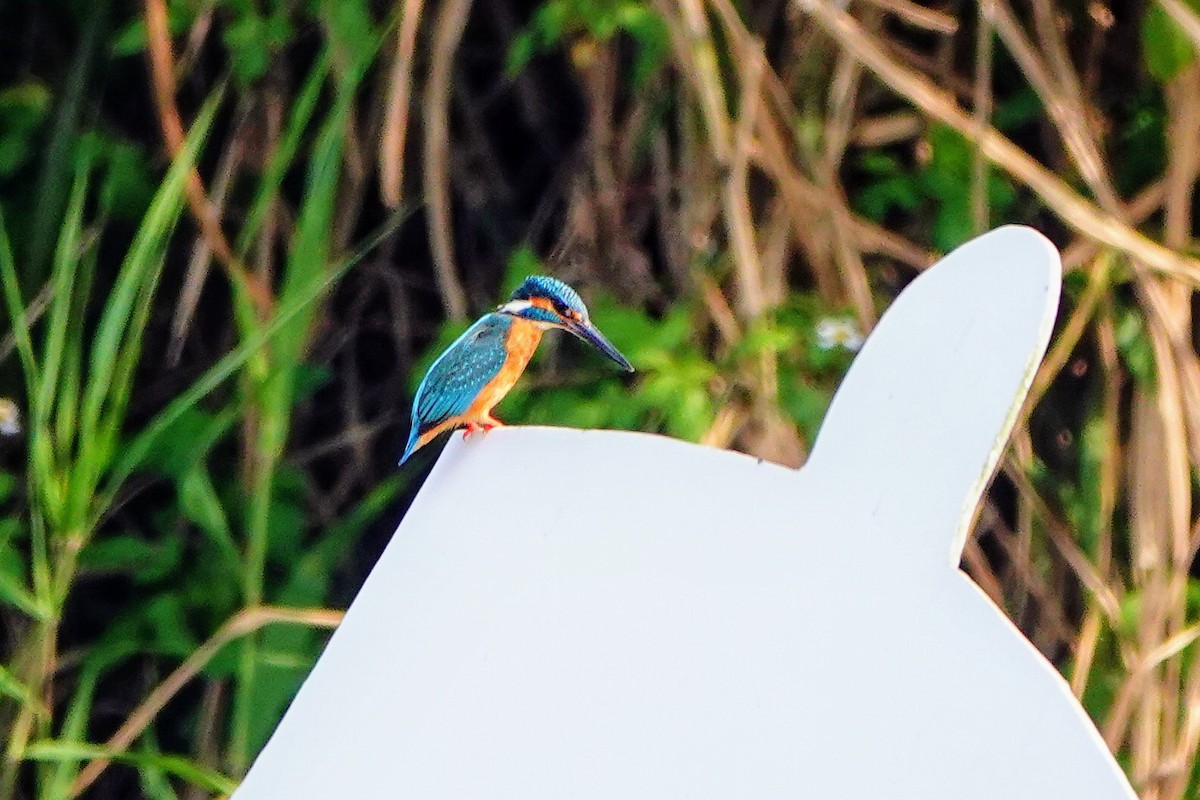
[{"x": 482, "y": 427}]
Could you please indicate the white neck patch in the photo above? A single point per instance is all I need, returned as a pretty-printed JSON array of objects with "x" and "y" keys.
[{"x": 515, "y": 306}]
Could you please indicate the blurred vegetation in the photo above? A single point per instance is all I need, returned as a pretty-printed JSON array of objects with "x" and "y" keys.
[{"x": 234, "y": 232}]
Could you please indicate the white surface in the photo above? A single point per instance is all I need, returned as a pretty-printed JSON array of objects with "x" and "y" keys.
[{"x": 613, "y": 615}]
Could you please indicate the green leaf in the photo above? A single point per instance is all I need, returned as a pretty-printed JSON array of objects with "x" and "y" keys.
[
  {"x": 1141, "y": 156},
  {"x": 184, "y": 768},
  {"x": 520, "y": 53},
  {"x": 653, "y": 38},
  {"x": 23, "y": 110},
  {"x": 1093, "y": 447},
  {"x": 286, "y": 522},
  {"x": 13, "y": 590},
  {"x": 251, "y": 46},
  {"x": 8, "y": 484},
  {"x": 692, "y": 414},
  {"x": 15, "y": 306},
  {"x": 74, "y": 729},
  {"x": 131, "y": 39},
  {"x": 303, "y": 106},
  {"x": 13, "y": 688},
  {"x": 127, "y": 186},
  {"x": 71, "y": 103},
  {"x": 764, "y": 335},
  {"x": 199, "y": 503},
  {"x": 1135, "y": 348},
  {"x": 352, "y": 32},
  {"x": 168, "y": 627},
  {"x": 310, "y": 254},
  {"x": 805, "y": 404},
  {"x": 61, "y": 278},
  {"x": 947, "y": 180},
  {"x": 288, "y": 652},
  {"x": 310, "y": 378},
  {"x": 146, "y": 561},
  {"x": 136, "y": 452},
  {"x": 1165, "y": 48},
  {"x": 279, "y": 672},
  {"x": 191, "y": 437},
  {"x": 120, "y": 641},
  {"x": 1019, "y": 109},
  {"x": 117, "y": 339},
  {"x": 155, "y": 784},
  {"x": 552, "y": 22},
  {"x": 878, "y": 198}
]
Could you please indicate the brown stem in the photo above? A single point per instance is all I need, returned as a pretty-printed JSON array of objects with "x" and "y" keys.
[
  {"x": 395, "y": 126},
  {"x": 244, "y": 622},
  {"x": 1060, "y": 198},
  {"x": 163, "y": 72},
  {"x": 448, "y": 31}
]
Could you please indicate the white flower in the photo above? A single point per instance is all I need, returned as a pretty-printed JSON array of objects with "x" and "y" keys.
[
  {"x": 10, "y": 418},
  {"x": 838, "y": 332}
]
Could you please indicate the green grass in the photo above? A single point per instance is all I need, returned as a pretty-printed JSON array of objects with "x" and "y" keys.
[{"x": 190, "y": 526}]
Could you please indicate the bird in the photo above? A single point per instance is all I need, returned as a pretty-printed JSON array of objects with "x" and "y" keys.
[{"x": 474, "y": 373}]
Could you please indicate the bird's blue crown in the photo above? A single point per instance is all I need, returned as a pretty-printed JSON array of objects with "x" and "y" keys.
[{"x": 560, "y": 295}]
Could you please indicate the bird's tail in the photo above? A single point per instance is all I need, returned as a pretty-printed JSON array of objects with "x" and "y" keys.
[{"x": 413, "y": 443}]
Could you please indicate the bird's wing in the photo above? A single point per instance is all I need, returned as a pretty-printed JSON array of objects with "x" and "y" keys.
[{"x": 460, "y": 373}]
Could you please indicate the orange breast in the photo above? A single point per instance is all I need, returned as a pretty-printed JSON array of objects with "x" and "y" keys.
[{"x": 523, "y": 339}]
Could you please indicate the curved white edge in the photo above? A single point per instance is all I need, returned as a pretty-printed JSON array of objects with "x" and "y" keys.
[
  {"x": 601, "y": 614},
  {"x": 615, "y": 615},
  {"x": 928, "y": 404}
]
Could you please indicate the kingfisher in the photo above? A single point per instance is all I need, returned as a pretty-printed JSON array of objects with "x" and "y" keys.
[{"x": 466, "y": 381}]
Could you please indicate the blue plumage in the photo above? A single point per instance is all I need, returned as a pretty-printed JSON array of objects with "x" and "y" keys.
[
  {"x": 459, "y": 375},
  {"x": 560, "y": 294}
]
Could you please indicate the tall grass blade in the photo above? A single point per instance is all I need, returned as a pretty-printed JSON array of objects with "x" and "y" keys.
[
  {"x": 14, "y": 689},
  {"x": 15, "y": 306},
  {"x": 55, "y": 751},
  {"x": 54, "y": 178},
  {"x": 283, "y": 156},
  {"x": 20, "y": 598},
  {"x": 133, "y": 454},
  {"x": 74, "y": 731},
  {"x": 62, "y": 280},
  {"x": 141, "y": 265},
  {"x": 66, "y": 410},
  {"x": 155, "y": 783}
]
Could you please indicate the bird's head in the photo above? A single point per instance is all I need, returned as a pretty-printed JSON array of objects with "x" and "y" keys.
[{"x": 549, "y": 303}]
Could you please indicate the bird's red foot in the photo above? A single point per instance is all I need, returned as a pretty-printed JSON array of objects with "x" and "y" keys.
[{"x": 483, "y": 426}]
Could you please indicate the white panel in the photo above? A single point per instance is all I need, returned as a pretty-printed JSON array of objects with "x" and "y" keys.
[
  {"x": 611, "y": 615},
  {"x": 923, "y": 415}
]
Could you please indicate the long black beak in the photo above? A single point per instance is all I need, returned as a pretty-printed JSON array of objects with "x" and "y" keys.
[{"x": 589, "y": 333}]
